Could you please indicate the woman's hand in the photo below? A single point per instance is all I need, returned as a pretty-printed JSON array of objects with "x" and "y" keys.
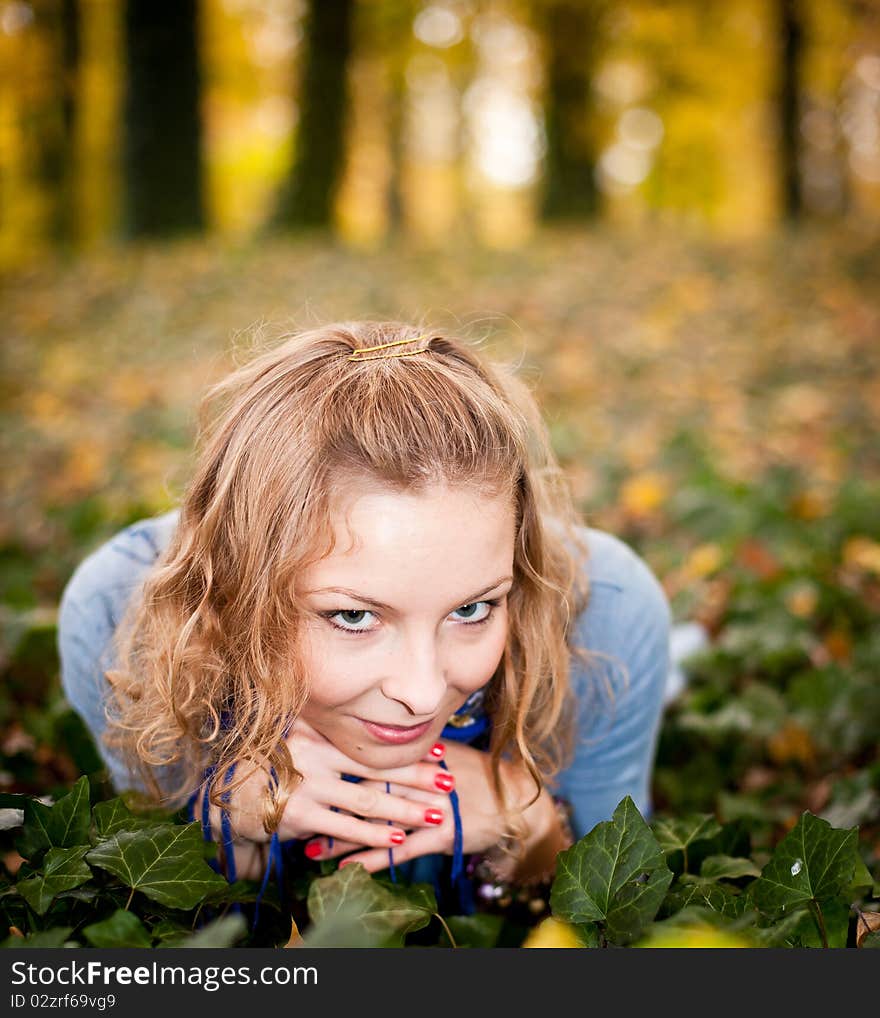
[
  {"x": 483, "y": 825},
  {"x": 324, "y": 805}
]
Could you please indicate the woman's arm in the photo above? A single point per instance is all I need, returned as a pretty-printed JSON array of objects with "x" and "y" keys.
[{"x": 620, "y": 694}]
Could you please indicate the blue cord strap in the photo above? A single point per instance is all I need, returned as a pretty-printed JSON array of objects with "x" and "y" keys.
[{"x": 275, "y": 861}]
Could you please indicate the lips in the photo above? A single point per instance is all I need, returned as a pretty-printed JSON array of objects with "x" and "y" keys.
[{"x": 396, "y": 735}]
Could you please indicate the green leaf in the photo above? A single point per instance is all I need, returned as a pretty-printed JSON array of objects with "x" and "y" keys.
[
  {"x": 813, "y": 861},
  {"x": 113, "y": 816},
  {"x": 861, "y": 882},
  {"x": 726, "y": 867},
  {"x": 164, "y": 861},
  {"x": 350, "y": 909},
  {"x": 122, "y": 929},
  {"x": 835, "y": 918},
  {"x": 478, "y": 930},
  {"x": 674, "y": 835},
  {"x": 62, "y": 825},
  {"x": 56, "y": 937},
  {"x": 587, "y": 934},
  {"x": 63, "y": 869},
  {"x": 616, "y": 875},
  {"x": 222, "y": 932},
  {"x": 715, "y": 897}
]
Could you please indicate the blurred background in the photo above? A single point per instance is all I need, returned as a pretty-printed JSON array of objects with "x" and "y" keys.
[{"x": 665, "y": 212}]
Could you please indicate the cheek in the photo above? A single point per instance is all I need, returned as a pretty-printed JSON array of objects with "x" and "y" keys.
[
  {"x": 333, "y": 672},
  {"x": 476, "y": 666}
]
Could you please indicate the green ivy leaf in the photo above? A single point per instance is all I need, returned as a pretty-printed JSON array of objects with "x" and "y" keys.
[
  {"x": 478, "y": 930},
  {"x": 350, "y": 909},
  {"x": 813, "y": 861},
  {"x": 165, "y": 861},
  {"x": 715, "y": 897},
  {"x": 56, "y": 937},
  {"x": 616, "y": 875},
  {"x": 587, "y": 934},
  {"x": 861, "y": 882},
  {"x": 222, "y": 932},
  {"x": 63, "y": 869},
  {"x": 726, "y": 867},
  {"x": 113, "y": 816},
  {"x": 62, "y": 825},
  {"x": 122, "y": 929},
  {"x": 675, "y": 835}
]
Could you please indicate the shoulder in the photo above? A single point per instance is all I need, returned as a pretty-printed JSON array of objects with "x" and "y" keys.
[
  {"x": 620, "y": 580},
  {"x": 106, "y": 576},
  {"x": 627, "y": 618}
]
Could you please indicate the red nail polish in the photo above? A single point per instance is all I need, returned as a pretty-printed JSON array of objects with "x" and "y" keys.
[
  {"x": 445, "y": 782},
  {"x": 437, "y": 750},
  {"x": 397, "y": 837},
  {"x": 433, "y": 816},
  {"x": 313, "y": 849}
]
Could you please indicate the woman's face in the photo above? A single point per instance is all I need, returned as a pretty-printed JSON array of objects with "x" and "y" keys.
[{"x": 406, "y": 618}]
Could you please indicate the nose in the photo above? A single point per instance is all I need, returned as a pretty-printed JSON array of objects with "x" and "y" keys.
[{"x": 415, "y": 677}]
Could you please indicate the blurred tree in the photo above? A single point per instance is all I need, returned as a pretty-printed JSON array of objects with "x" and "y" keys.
[
  {"x": 307, "y": 197},
  {"x": 55, "y": 115},
  {"x": 572, "y": 35},
  {"x": 393, "y": 37},
  {"x": 163, "y": 122},
  {"x": 790, "y": 26}
]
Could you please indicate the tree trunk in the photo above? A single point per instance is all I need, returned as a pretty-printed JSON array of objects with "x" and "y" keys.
[
  {"x": 307, "y": 198},
  {"x": 163, "y": 123},
  {"x": 571, "y": 30},
  {"x": 55, "y": 121},
  {"x": 791, "y": 43}
]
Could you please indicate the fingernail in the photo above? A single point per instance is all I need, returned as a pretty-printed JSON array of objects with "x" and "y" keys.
[
  {"x": 313, "y": 849},
  {"x": 445, "y": 782},
  {"x": 347, "y": 862},
  {"x": 433, "y": 816},
  {"x": 397, "y": 837},
  {"x": 437, "y": 750}
]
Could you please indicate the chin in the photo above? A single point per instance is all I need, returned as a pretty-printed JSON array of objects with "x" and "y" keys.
[{"x": 387, "y": 757}]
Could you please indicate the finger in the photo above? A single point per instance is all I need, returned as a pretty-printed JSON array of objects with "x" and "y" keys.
[
  {"x": 425, "y": 776},
  {"x": 344, "y": 828},
  {"x": 331, "y": 848},
  {"x": 413, "y": 794},
  {"x": 419, "y": 843},
  {"x": 370, "y": 799}
]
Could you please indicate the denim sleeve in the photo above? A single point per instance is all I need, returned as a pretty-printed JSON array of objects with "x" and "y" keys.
[
  {"x": 92, "y": 604},
  {"x": 626, "y": 629}
]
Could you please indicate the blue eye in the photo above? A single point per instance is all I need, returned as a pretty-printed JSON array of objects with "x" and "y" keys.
[
  {"x": 469, "y": 611},
  {"x": 351, "y": 617},
  {"x": 349, "y": 620}
]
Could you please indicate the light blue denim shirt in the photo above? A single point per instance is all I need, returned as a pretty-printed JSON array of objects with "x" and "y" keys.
[{"x": 620, "y": 695}]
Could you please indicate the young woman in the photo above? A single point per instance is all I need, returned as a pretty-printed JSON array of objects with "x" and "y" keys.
[{"x": 375, "y": 628}]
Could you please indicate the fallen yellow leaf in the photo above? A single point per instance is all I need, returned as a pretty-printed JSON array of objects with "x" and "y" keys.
[
  {"x": 644, "y": 493},
  {"x": 552, "y": 932},
  {"x": 863, "y": 553}
]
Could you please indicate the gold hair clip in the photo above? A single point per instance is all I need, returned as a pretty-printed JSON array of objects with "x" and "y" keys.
[{"x": 356, "y": 356}]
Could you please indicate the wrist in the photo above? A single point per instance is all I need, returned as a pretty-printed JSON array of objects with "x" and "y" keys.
[
  {"x": 549, "y": 833},
  {"x": 531, "y": 859}
]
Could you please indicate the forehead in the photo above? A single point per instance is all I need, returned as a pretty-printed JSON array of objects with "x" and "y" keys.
[{"x": 438, "y": 542}]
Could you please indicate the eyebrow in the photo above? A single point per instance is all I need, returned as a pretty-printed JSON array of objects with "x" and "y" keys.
[{"x": 380, "y": 604}]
